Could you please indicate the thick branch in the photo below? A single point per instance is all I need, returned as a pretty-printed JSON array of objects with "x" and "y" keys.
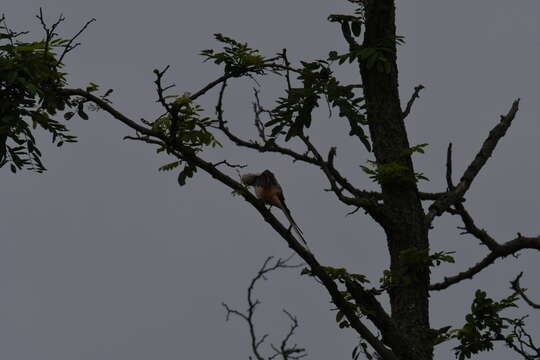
[
  {"x": 481, "y": 158},
  {"x": 376, "y": 314},
  {"x": 509, "y": 248},
  {"x": 186, "y": 154}
]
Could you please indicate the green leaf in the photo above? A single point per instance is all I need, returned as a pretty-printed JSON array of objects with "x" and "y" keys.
[
  {"x": 82, "y": 114},
  {"x": 356, "y": 27},
  {"x": 345, "y": 28},
  {"x": 169, "y": 166}
]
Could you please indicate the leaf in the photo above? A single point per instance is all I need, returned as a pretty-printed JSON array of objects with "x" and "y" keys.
[
  {"x": 169, "y": 166},
  {"x": 82, "y": 114},
  {"x": 345, "y": 28},
  {"x": 339, "y": 316},
  {"x": 356, "y": 27}
]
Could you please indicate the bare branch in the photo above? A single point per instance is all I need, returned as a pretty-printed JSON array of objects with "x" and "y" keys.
[
  {"x": 267, "y": 147},
  {"x": 111, "y": 110},
  {"x": 160, "y": 91},
  {"x": 441, "y": 205},
  {"x": 449, "y": 182},
  {"x": 225, "y": 162},
  {"x": 69, "y": 46},
  {"x": 248, "y": 316},
  {"x": 360, "y": 199},
  {"x": 525, "y": 344},
  {"x": 521, "y": 292},
  {"x": 471, "y": 228},
  {"x": 410, "y": 103},
  {"x": 49, "y": 31},
  {"x": 268, "y": 64},
  {"x": 509, "y": 248},
  {"x": 287, "y": 64},
  {"x": 286, "y": 351}
]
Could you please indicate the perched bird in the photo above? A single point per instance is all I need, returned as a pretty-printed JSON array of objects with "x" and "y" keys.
[{"x": 268, "y": 189}]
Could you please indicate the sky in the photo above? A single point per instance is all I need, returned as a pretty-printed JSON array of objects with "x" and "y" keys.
[{"x": 103, "y": 257}]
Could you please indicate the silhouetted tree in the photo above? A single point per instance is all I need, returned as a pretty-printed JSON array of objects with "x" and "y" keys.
[{"x": 33, "y": 89}]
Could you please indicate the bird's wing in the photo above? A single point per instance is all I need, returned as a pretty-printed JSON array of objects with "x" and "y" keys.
[{"x": 249, "y": 179}]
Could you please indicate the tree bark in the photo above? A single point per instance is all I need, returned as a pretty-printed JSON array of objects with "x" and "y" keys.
[{"x": 406, "y": 230}]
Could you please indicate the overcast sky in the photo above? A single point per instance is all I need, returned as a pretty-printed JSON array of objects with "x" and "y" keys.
[{"x": 103, "y": 257}]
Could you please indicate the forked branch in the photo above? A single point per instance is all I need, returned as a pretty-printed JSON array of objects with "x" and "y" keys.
[{"x": 441, "y": 205}]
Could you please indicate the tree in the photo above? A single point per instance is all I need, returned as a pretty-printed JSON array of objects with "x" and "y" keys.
[{"x": 375, "y": 110}]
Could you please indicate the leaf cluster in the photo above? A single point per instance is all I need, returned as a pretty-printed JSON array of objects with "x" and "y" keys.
[
  {"x": 395, "y": 172},
  {"x": 30, "y": 79},
  {"x": 484, "y": 325},
  {"x": 392, "y": 173},
  {"x": 238, "y": 58},
  {"x": 293, "y": 112},
  {"x": 189, "y": 128}
]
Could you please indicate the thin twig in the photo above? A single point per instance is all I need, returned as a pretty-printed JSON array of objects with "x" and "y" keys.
[{"x": 248, "y": 315}]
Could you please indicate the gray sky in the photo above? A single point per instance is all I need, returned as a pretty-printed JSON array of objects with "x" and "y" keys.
[{"x": 105, "y": 258}]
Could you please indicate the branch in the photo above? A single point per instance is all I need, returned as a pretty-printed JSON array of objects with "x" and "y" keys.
[
  {"x": 186, "y": 154},
  {"x": 526, "y": 346},
  {"x": 509, "y": 248},
  {"x": 111, "y": 110},
  {"x": 160, "y": 90},
  {"x": 361, "y": 198},
  {"x": 373, "y": 310},
  {"x": 521, "y": 292},
  {"x": 268, "y": 64},
  {"x": 481, "y": 158},
  {"x": 253, "y": 303},
  {"x": 266, "y": 147},
  {"x": 285, "y": 351},
  {"x": 410, "y": 103},
  {"x": 471, "y": 228},
  {"x": 226, "y": 163},
  {"x": 69, "y": 47},
  {"x": 449, "y": 182}
]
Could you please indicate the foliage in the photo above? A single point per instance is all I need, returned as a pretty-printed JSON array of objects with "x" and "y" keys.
[
  {"x": 484, "y": 325},
  {"x": 411, "y": 261},
  {"x": 294, "y": 111},
  {"x": 391, "y": 173},
  {"x": 395, "y": 172},
  {"x": 238, "y": 57},
  {"x": 31, "y": 77}
]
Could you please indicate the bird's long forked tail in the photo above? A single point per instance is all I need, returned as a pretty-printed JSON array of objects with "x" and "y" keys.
[{"x": 293, "y": 224}]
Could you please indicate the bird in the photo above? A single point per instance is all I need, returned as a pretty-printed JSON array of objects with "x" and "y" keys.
[{"x": 268, "y": 190}]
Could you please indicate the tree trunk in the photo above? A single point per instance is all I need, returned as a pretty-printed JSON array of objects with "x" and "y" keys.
[{"x": 406, "y": 230}]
